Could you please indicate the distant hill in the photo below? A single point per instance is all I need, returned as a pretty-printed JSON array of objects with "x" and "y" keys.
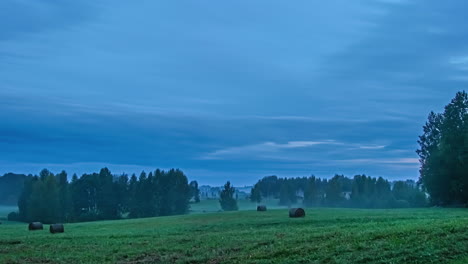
[{"x": 10, "y": 188}]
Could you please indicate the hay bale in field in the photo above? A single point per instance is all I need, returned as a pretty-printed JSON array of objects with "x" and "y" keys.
[
  {"x": 261, "y": 208},
  {"x": 56, "y": 228},
  {"x": 35, "y": 226},
  {"x": 296, "y": 212}
]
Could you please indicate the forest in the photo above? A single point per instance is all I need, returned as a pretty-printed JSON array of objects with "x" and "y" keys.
[
  {"x": 52, "y": 198},
  {"x": 359, "y": 192}
]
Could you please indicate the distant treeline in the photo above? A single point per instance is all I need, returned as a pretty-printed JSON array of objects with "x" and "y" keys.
[
  {"x": 51, "y": 198},
  {"x": 360, "y": 192}
]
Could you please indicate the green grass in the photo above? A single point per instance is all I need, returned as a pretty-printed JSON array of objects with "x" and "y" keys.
[
  {"x": 209, "y": 206},
  {"x": 323, "y": 236}
]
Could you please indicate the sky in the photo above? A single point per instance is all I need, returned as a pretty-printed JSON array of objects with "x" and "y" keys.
[{"x": 226, "y": 90}]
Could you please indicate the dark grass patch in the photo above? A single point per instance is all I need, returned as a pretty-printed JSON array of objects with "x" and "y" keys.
[
  {"x": 142, "y": 259},
  {"x": 30, "y": 261},
  {"x": 10, "y": 242}
]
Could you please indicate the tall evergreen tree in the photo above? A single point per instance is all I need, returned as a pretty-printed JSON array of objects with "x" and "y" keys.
[
  {"x": 227, "y": 201},
  {"x": 50, "y": 201},
  {"x": 107, "y": 199},
  {"x": 65, "y": 203},
  {"x": 334, "y": 191},
  {"x": 311, "y": 193}
]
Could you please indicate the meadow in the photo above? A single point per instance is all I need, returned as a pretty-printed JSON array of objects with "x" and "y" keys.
[
  {"x": 325, "y": 235},
  {"x": 209, "y": 206}
]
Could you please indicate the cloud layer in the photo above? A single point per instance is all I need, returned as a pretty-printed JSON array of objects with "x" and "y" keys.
[{"x": 222, "y": 90}]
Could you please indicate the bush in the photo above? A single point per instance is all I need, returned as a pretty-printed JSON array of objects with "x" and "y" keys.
[{"x": 13, "y": 216}]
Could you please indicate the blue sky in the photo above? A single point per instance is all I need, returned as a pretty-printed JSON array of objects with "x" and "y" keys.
[{"x": 225, "y": 89}]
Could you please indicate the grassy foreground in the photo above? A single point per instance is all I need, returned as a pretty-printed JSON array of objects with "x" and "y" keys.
[{"x": 323, "y": 236}]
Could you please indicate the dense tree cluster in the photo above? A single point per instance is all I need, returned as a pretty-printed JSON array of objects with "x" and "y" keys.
[
  {"x": 51, "y": 198},
  {"x": 443, "y": 153},
  {"x": 361, "y": 192}
]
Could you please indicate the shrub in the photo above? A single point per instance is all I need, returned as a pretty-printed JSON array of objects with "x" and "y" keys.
[{"x": 13, "y": 216}]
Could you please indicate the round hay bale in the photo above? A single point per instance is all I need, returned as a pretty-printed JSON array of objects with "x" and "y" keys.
[
  {"x": 296, "y": 212},
  {"x": 56, "y": 228},
  {"x": 261, "y": 208},
  {"x": 35, "y": 226}
]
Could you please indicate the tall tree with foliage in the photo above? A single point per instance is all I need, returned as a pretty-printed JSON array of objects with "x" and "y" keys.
[
  {"x": 227, "y": 200},
  {"x": 334, "y": 191},
  {"x": 194, "y": 191},
  {"x": 64, "y": 197},
  {"x": 180, "y": 191},
  {"x": 443, "y": 153},
  {"x": 311, "y": 193},
  {"x": 287, "y": 193},
  {"x": 255, "y": 194},
  {"x": 107, "y": 199}
]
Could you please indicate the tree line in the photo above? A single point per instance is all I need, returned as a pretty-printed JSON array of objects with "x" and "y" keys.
[
  {"x": 361, "y": 192},
  {"x": 52, "y": 198}
]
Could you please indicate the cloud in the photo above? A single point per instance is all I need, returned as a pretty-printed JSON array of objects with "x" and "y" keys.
[
  {"x": 412, "y": 161},
  {"x": 151, "y": 82},
  {"x": 278, "y": 151},
  {"x": 262, "y": 148},
  {"x": 372, "y": 147}
]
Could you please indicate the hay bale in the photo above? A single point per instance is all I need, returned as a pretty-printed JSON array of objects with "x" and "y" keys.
[
  {"x": 261, "y": 208},
  {"x": 296, "y": 212},
  {"x": 35, "y": 226},
  {"x": 56, "y": 228}
]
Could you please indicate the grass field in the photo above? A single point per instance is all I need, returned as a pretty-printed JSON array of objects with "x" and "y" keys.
[
  {"x": 323, "y": 236},
  {"x": 208, "y": 206}
]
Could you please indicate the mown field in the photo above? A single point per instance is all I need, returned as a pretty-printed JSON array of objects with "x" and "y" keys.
[
  {"x": 323, "y": 236},
  {"x": 207, "y": 206}
]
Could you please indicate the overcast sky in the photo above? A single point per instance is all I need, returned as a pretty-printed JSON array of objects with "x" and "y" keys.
[{"x": 226, "y": 90}]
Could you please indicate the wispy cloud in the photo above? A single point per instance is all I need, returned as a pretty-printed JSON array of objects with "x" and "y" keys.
[
  {"x": 279, "y": 151},
  {"x": 372, "y": 147},
  {"x": 412, "y": 161},
  {"x": 264, "y": 148}
]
